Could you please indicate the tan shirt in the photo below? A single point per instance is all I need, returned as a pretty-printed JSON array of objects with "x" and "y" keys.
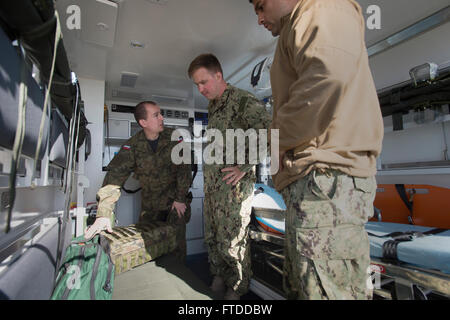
[{"x": 325, "y": 102}]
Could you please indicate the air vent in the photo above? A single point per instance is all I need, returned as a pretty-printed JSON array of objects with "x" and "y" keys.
[
  {"x": 175, "y": 114},
  {"x": 168, "y": 99},
  {"x": 122, "y": 108},
  {"x": 128, "y": 79},
  {"x": 126, "y": 95}
]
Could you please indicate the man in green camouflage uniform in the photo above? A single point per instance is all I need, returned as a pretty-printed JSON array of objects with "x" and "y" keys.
[
  {"x": 330, "y": 134},
  {"x": 164, "y": 185},
  {"x": 229, "y": 186}
]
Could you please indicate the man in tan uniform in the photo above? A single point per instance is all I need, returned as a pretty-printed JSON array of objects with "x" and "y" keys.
[{"x": 331, "y": 130}]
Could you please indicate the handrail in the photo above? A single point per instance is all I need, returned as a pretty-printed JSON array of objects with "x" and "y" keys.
[{"x": 8, "y": 239}]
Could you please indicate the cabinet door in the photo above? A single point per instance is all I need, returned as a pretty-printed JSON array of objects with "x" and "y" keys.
[
  {"x": 194, "y": 229},
  {"x": 197, "y": 186},
  {"x": 119, "y": 128}
]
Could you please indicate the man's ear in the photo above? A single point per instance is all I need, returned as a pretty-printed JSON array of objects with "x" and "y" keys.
[
  {"x": 218, "y": 75},
  {"x": 141, "y": 122}
]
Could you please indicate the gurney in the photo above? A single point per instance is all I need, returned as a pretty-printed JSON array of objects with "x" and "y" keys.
[{"x": 407, "y": 261}]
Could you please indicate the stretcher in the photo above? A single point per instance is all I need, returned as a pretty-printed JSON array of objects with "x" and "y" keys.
[{"x": 407, "y": 261}]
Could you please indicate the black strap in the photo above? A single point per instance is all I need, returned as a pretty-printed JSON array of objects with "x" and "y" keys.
[
  {"x": 131, "y": 191},
  {"x": 95, "y": 271},
  {"x": 409, "y": 204},
  {"x": 194, "y": 168},
  {"x": 390, "y": 247},
  {"x": 255, "y": 77},
  {"x": 390, "y": 250},
  {"x": 410, "y": 235},
  {"x": 434, "y": 231}
]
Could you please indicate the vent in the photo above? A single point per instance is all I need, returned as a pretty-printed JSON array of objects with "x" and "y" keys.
[
  {"x": 126, "y": 95},
  {"x": 168, "y": 99},
  {"x": 174, "y": 114},
  {"x": 128, "y": 79},
  {"x": 4, "y": 203},
  {"x": 122, "y": 108}
]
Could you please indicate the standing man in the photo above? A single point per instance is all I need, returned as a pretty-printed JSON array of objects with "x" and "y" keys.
[
  {"x": 164, "y": 184},
  {"x": 228, "y": 188},
  {"x": 330, "y": 134}
]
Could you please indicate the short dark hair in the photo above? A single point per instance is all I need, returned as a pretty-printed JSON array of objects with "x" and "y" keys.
[
  {"x": 140, "y": 112},
  {"x": 207, "y": 61}
]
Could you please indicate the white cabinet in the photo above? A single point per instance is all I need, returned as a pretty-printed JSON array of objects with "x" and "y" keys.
[{"x": 119, "y": 128}]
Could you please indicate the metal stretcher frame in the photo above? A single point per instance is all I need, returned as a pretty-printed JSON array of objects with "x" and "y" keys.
[{"x": 408, "y": 281}]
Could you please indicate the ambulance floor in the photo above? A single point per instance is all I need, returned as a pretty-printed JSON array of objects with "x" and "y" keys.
[
  {"x": 162, "y": 279},
  {"x": 166, "y": 279}
]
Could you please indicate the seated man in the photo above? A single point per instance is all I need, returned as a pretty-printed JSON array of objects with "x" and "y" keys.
[{"x": 164, "y": 185}]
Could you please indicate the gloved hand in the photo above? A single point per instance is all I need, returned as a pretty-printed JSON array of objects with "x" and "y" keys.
[{"x": 100, "y": 224}]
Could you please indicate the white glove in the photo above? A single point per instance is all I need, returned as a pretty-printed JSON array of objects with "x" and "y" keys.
[{"x": 100, "y": 224}]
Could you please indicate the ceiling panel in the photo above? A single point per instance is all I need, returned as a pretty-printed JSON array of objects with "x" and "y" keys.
[{"x": 173, "y": 32}]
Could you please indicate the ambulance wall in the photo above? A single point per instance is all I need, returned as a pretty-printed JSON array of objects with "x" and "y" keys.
[
  {"x": 93, "y": 95},
  {"x": 417, "y": 142}
]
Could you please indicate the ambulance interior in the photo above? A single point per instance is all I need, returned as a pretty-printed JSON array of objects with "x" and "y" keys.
[{"x": 116, "y": 53}]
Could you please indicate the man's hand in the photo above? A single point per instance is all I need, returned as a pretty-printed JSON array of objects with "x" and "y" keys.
[
  {"x": 235, "y": 174},
  {"x": 100, "y": 224},
  {"x": 180, "y": 207}
]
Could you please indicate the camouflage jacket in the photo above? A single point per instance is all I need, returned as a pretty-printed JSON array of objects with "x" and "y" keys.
[
  {"x": 162, "y": 182},
  {"x": 235, "y": 109}
]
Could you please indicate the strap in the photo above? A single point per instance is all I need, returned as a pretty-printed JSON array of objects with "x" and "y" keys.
[
  {"x": 18, "y": 142},
  {"x": 107, "y": 249},
  {"x": 390, "y": 247},
  {"x": 131, "y": 191},
  {"x": 390, "y": 250},
  {"x": 95, "y": 271},
  {"x": 434, "y": 231},
  {"x": 402, "y": 193},
  {"x": 69, "y": 176},
  {"x": 194, "y": 167},
  {"x": 410, "y": 235},
  {"x": 58, "y": 37},
  {"x": 255, "y": 77}
]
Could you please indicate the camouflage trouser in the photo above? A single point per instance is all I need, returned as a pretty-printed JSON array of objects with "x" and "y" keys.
[
  {"x": 226, "y": 236},
  {"x": 180, "y": 224},
  {"x": 326, "y": 246}
]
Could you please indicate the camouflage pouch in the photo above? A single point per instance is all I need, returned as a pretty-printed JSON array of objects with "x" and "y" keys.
[{"x": 137, "y": 244}]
